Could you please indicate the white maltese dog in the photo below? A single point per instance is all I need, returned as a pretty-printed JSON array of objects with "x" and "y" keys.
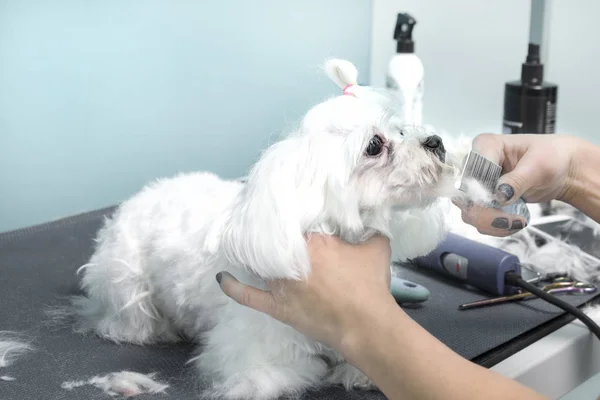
[{"x": 351, "y": 169}]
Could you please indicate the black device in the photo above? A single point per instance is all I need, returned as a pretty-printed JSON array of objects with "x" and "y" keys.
[{"x": 530, "y": 103}]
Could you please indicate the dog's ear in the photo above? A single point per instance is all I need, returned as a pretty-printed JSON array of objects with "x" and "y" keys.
[
  {"x": 283, "y": 196},
  {"x": 288, "y": 190}
]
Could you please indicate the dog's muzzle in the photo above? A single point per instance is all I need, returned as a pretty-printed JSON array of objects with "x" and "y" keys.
[{"x": 435, "y": 145}]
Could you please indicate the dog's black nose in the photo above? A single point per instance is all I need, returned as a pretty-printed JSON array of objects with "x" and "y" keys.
[
  {"x": 433, "y": 142},
  {"x": 435, "y": 145}
]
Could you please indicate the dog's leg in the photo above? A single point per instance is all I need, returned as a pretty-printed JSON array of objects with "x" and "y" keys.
[
  {"x": 261, "y": 381},
  {"x": 250, "y": 356},
  {"x": 118, "y": 302}
]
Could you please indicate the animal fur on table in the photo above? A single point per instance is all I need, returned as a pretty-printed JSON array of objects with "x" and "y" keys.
[
  {"x": 351, "y": 169},
  {"x": 123, "y": 383},
  {"x": 12, "y": 347}
]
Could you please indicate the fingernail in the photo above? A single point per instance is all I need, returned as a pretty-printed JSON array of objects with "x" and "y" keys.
[
  {"x": 500, "y": 223},
  {"x": 219, "y": 277},
  {"x": 506, "y": 190},
  {"x": 516, "y": 225}
]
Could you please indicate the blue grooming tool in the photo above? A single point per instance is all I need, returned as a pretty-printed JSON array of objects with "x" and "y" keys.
[
  {"x": 474, "y": 263},
  {"x": 408, "y": 292}
]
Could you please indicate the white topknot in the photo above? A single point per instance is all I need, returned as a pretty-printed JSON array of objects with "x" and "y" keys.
[{"x": 342, "y": 72}]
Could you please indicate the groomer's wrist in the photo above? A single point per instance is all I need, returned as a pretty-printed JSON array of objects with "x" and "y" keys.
[
  {"x": 575, "y": 184},
  {"x": 582, "y": 189},
  {"x": 369, "y": 324}
]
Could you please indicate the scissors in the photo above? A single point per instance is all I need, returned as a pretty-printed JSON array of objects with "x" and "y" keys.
[{"x": 560, "y": 285}]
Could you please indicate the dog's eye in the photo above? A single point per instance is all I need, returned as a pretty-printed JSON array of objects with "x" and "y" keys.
[
  {"x": 401, "y": 132},
  {"x": 375, "y": 146}
]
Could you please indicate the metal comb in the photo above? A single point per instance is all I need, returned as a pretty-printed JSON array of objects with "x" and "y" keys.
[
  {"x": 483, "y": 170},
  {"x": 487, "y": 173}
]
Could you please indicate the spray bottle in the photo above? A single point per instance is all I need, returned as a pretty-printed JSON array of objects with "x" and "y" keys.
[{"x": 405, "y": 72}]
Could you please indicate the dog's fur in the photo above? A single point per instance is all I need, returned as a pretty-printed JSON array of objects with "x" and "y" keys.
[{"x": 152, "y": 275}]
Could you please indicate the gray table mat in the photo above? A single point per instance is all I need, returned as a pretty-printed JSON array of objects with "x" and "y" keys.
[{"x": 37, "y": 267}]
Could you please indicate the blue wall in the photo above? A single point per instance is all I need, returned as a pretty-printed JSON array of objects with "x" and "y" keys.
[{"x": 99, "y": 97}]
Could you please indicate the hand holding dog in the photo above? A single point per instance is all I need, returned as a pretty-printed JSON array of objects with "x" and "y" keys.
[
  {"x": 345, "y": 280},
  {"x": 345, "y": 303}
]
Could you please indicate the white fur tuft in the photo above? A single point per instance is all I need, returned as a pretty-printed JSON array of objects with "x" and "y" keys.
[
  {"x": 475, "y": 191},
  {"x": 593, "y": 311},
  {"x": 12, "y": 346},
  {"x": 124, "y": 383},
  {"x": 342, "y": 72}
]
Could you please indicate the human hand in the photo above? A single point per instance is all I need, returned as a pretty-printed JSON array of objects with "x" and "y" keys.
[
  {"x": 536, "y": 168},
  {"x": 345, "y": 282}
]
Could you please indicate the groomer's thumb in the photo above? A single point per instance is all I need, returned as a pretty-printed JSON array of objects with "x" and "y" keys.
[
  {"x": 247, "y": 295},
  {"x": 512, "y": 185}
]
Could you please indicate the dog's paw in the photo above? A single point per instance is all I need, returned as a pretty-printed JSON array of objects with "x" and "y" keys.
[
  {"x": 268, "y": 382},
  {"x": 363, "y": 383},
  {"x": 350, "y": 377}
]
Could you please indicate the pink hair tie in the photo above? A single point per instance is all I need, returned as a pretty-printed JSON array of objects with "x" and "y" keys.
[{"x": 346, "y": 88}]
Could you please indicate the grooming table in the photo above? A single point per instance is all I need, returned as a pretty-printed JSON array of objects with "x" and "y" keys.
[{"x": 37, "y": 269}]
